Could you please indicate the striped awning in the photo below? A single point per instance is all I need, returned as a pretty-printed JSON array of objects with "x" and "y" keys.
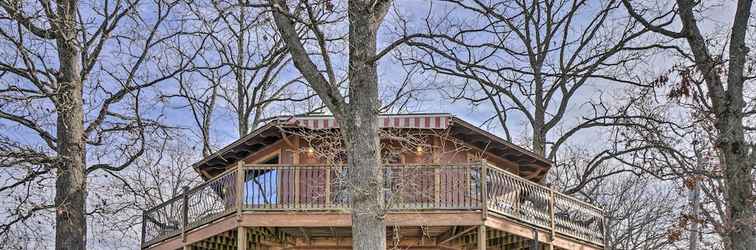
[{"x": 421, "y": 121}]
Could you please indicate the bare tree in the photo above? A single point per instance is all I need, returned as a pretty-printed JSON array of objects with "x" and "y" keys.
[
  {"x": 528, "y": 60},
  {"x": 724, "y": 77},
  {"x": 243, "y": 70},
  {"x": 537, "y": 64},
  {"x": 58, "y": 86}
]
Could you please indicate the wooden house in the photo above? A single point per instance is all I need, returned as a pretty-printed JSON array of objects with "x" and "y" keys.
[{"x": 448, "y": 185}]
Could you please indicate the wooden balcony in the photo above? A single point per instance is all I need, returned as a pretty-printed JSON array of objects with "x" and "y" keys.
[{"x": 300, "y": 200}]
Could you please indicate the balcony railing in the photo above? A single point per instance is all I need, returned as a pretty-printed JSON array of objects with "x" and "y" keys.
[{"x": 407, "y": 188}]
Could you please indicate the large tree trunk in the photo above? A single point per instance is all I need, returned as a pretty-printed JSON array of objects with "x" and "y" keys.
[
  {"x": 360, "y": 131},
  {"x": 70, "y": 186},
  {"x": 738, "y": 178},
  {"x": 738, "y": 160},
  {"x": 358, "y": 118}
]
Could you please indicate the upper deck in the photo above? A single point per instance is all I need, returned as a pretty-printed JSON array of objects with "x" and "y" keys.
[
  {"x": 442, "y": 177},
  {"x": 416, "y": 194}
]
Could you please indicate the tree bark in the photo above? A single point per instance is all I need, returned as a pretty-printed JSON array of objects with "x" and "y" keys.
[
  {"x": 360, "y": 130},
  {"x": 242, "y": 116},
  {"x": 358, "y": 118},
  {"x": 70, "y": 186}
]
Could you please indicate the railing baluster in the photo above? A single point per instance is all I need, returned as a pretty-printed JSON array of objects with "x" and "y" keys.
[
  {"x": 240, "y": 186},
  {"x": 483, "y": 188}
]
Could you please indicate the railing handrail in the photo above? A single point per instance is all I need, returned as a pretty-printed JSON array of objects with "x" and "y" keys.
[
  {"x": 568, "y": 226},
  {"x": 165, "y": 203},
  {"x": 344, "y": 165},
  {"x": 556, "y": 192}
]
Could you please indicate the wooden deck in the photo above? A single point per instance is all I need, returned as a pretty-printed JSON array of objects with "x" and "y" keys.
[{"x": 429, "y": 207}]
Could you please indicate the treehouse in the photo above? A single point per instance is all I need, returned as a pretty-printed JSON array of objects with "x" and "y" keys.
[{"x": 448, "y": 185}]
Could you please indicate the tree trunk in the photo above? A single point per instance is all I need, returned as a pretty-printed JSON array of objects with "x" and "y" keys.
[
  {"x": 738, "y": 180},
  {"x": 242, "y": 116},
  {"x": 70, "y": 186},
  {"x": 360, "y": 131},
  {"x": 358, "y": 118},
  {"x": 694, "y": 197},
  {"x": 737, "y": 159}
]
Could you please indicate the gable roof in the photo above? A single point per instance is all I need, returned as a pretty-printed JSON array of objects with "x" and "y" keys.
[{"x": 271, "y": 132}]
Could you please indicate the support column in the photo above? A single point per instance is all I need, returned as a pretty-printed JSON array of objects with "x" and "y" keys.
[
  {"x": 482, "y": 242},
  {"x": 241, "y": 238},
  {"x": 535, "y": 244}
]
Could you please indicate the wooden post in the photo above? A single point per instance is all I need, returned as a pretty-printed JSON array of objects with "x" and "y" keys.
[
  {"x": 483, "y": 188},
  {"x": 535, "y": 244},
  {"x": 482, "y": 242},
  {"x": 327, "y": 185},
  {"x": 296, "y": 187},
  {"x": 437, "y": 185},
  {"x": 240, "y": 176},
  {"x": 552, "y": 221},
  {"x": 241, "y": 238},
  {"x": 184, "y": 214}
]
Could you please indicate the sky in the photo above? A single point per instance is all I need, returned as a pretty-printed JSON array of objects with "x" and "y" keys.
[{"x": 390, "y": 73}]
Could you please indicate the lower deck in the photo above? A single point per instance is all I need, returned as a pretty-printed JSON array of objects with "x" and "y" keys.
[{"x": 321, "y": 230}]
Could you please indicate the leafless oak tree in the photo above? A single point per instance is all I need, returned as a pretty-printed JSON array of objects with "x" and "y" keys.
[
  {"x": 724, "y": 77},
  {"x": 58, "y": 85},
  {"x": 357, "y": 115}
]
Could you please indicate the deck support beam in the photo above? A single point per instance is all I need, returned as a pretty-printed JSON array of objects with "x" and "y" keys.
[
  {"x": 482, "y": 242},
  {"x": 241, "y": 238}
]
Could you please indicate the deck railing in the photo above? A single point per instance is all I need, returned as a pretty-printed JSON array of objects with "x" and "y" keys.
[{"x": 407, "y": 187}]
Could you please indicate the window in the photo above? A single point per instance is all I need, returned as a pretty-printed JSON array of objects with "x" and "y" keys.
[{"x": 261, "y": 185}]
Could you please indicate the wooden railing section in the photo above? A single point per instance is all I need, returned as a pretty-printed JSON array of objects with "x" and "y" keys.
[{"x": 407, "y": 188}]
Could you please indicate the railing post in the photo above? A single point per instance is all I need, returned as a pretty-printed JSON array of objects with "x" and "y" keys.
[
  {"x": 484, "y": 188},
  {"x": 327, "y": 186},
  {"x": 240, "y": 174},
  {"x": 437, "y": 186},
  {"x": 185, "y": 213},
  {"x": 552, "y": 219},
  {"x": 296, "y": 187}
]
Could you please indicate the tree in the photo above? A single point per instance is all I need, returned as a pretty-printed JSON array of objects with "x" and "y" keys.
[
  {"x": 243, "y": 70},
  {"x": 547, "y": 70},
  {"x": 357, "y": 114},
  {"x": 58, "y": 84},
  {"x": 528, "y": 60},
  {"x": 723, "y": 77}
]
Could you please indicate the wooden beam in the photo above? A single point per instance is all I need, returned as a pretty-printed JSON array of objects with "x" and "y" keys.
[
  {"x": 304, "y": 232},
  {"x": 457, "y": 235},
  {"x": 333, "y": 219},
  {"x": 525, "y": 231}
]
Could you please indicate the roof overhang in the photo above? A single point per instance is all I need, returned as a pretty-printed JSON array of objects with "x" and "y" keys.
[{"x": 531, "y": 164}]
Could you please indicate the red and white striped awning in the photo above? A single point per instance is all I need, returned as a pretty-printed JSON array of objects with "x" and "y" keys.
[{"x": 421, "y": 121}]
